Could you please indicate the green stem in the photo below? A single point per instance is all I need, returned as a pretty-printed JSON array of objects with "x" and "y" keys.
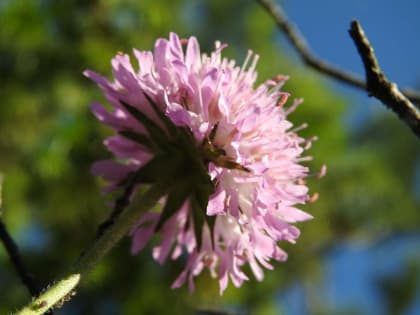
[
  {"x": 118, "y": 230},
  {"x": 59, "y": 291}
]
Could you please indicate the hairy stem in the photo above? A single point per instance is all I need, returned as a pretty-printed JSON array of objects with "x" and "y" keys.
[
  {"x": 58, "y": 292},
  {"x": 118, "y": 230},
  {"x": 61, "y": 291}
]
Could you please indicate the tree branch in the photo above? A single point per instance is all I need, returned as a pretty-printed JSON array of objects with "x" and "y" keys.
[
  {"x": 299, "y": 43},
  {"x": 378, "y": 84},
  {"x": 14, "y": 255},
  {"x": 13, "y": 252}
]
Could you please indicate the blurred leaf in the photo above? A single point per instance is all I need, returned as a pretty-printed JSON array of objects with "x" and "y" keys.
[{"x": 399, "y": 290}]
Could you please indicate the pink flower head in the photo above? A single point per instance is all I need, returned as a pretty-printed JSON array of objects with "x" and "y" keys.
[{"x": 197, "y": 120}]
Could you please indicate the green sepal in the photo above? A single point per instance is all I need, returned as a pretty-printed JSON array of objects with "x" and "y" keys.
[
  {"x": 139, "y": 138},
  {"x": 179, "y": 158},
  {"x": 176, "y": 198},
  {"x": 158, "y": 169},
  {"x": 199, "y": 203},
  {"x": 204, "y": 189},
  {"x": 1, "y": 183},
  {"x": 128, "y": 180},
  {"x": 168, "y": 123},
  {"x": 158, "y": 136},
  {"x": 211, "y": 220},
  {"x": 198, "y": 217}
]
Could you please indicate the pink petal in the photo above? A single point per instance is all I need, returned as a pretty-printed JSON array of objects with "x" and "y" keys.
[{"x": 216, "y": 204}]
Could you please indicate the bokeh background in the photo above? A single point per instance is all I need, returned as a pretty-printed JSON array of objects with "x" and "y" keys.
[{"x": 360, "y": 255}]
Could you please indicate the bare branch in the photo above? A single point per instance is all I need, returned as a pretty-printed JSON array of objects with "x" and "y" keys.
[
  {"x": 13, "y": 251},
  {"x": 299, "y": 43},
  {"x": 378, "y": 84},
  {"x": 14, "y": 255}
]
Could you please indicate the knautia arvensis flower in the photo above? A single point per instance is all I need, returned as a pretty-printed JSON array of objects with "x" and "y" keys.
[{"x": 225, "y": 148}]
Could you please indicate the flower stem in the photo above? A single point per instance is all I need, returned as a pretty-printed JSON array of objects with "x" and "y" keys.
[
  {"x": 102, "y": 245},
  {"x": 118, "y": 230},
  {"x": 54, "y": 294}
]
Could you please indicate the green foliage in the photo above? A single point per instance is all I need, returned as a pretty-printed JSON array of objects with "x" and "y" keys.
[
  {"x": 399, "y": 290},
  {"x": 49, "y": 139}
]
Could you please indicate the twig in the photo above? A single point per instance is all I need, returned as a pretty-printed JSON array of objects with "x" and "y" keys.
[
  {"x": 13, "y": 252},
  {"x": 299, "y": 43},
  {"x": 378, "y": 84}
]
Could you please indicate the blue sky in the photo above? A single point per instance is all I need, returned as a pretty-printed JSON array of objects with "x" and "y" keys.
[
  {"x": 393, "y": 28},
  {"x": 351, "y": 271}
]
